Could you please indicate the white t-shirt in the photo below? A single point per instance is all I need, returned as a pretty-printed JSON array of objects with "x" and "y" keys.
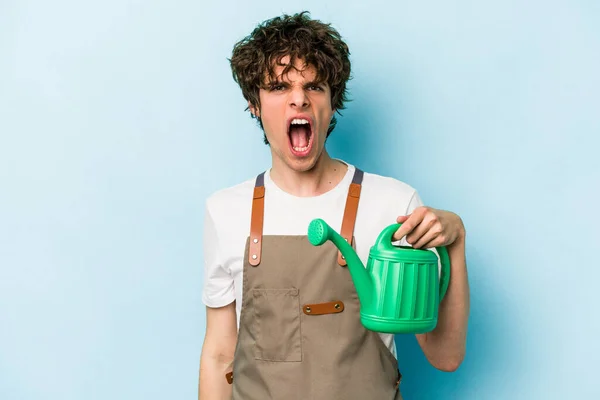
[{"x": 227, "y": 226}]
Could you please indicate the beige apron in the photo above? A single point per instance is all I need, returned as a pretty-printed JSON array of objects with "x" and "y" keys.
[{"x": 300, "y": 335}]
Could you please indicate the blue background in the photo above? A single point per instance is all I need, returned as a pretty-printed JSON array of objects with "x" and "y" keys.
[{"x": 118, "y": 118}]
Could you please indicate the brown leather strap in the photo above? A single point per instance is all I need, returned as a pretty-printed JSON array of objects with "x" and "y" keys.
[
  {"x": 256, "y": 222},
  {"x": 350, "y": 211},
  {"x": 258, "y": 208},
  {"x": 229, "y": 377},
  {"x": 332, "y": 307}
]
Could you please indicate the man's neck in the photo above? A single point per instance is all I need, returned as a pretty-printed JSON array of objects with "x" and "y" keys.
[{"x": 323, "y": 177}]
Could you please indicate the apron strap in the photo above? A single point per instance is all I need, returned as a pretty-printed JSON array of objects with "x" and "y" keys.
[
  {"x": 256, "y": 222},
  {"x": 258, "y": 207},
  {"x": 350, "y": 212}
]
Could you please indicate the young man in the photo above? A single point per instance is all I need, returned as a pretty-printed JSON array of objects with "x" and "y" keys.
[{"x": 283, "y": 315}]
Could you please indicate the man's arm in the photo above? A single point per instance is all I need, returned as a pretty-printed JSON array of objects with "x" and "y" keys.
[
  {"x": 426, "y": 227},
  {"x": 217, "y": 353},
  {"x": 445, "y": 346}
]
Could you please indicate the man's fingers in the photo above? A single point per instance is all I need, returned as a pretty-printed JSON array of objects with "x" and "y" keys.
[
  {"x": 425, "y": 241},
  {"x": 408, "y": 225},
  {"x": 422, "y": 230},
  {"x": 404, "y": 230}
]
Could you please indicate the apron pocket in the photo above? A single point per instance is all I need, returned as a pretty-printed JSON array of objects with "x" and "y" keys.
[{"x": 277, "y": 325}]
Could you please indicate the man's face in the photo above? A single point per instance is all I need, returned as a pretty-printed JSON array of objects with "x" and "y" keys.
[{"x": 295, "y": 112}]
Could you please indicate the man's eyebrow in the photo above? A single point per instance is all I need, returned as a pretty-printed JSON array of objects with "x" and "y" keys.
[
  {"x": 274, "y": 82},
  {"x": 315, "y": 83},
  {"x": 278, "y": 82}
]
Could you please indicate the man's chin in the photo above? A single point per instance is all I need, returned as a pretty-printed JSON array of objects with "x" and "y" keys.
[{"x": 304, "y": 164}]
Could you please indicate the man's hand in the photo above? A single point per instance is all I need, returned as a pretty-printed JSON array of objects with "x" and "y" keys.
[{"x": 427, "y": 227}]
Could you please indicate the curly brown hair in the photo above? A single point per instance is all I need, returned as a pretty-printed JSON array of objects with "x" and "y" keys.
[{"x": 298, "y": 36}]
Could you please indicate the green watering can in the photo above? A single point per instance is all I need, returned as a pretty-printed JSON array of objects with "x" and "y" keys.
[{"x": 401, "y": 289}]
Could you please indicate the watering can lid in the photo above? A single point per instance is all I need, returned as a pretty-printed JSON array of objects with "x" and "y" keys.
[
  {"x": 404, "y": 254},
  {"x": 383, "y": 248}
]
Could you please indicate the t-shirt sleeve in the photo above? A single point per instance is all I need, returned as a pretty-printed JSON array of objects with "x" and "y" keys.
[
  {"x": 415, "y": 202},
  {"x": 218, "y": 288}
]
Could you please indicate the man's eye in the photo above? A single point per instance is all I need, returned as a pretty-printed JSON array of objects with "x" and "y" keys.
[
  {"x": 315, "y": 87},
  {"x": 277, "y": 87}
]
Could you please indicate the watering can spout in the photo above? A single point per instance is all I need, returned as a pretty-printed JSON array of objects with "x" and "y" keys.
[{"x": 318, "y": 233}]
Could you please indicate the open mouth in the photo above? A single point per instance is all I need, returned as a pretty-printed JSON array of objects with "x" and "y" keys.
[{"x": 300, "y": 134}]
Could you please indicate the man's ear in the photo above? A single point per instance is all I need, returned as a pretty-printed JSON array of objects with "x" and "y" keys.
[{"x": 255, "y": 111}]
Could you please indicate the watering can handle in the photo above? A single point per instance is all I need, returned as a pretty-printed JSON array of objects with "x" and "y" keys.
[{"x": 385, "y": 241}]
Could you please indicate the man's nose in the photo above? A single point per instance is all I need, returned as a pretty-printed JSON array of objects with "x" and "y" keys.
[{"x": 298, "y": 98}]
